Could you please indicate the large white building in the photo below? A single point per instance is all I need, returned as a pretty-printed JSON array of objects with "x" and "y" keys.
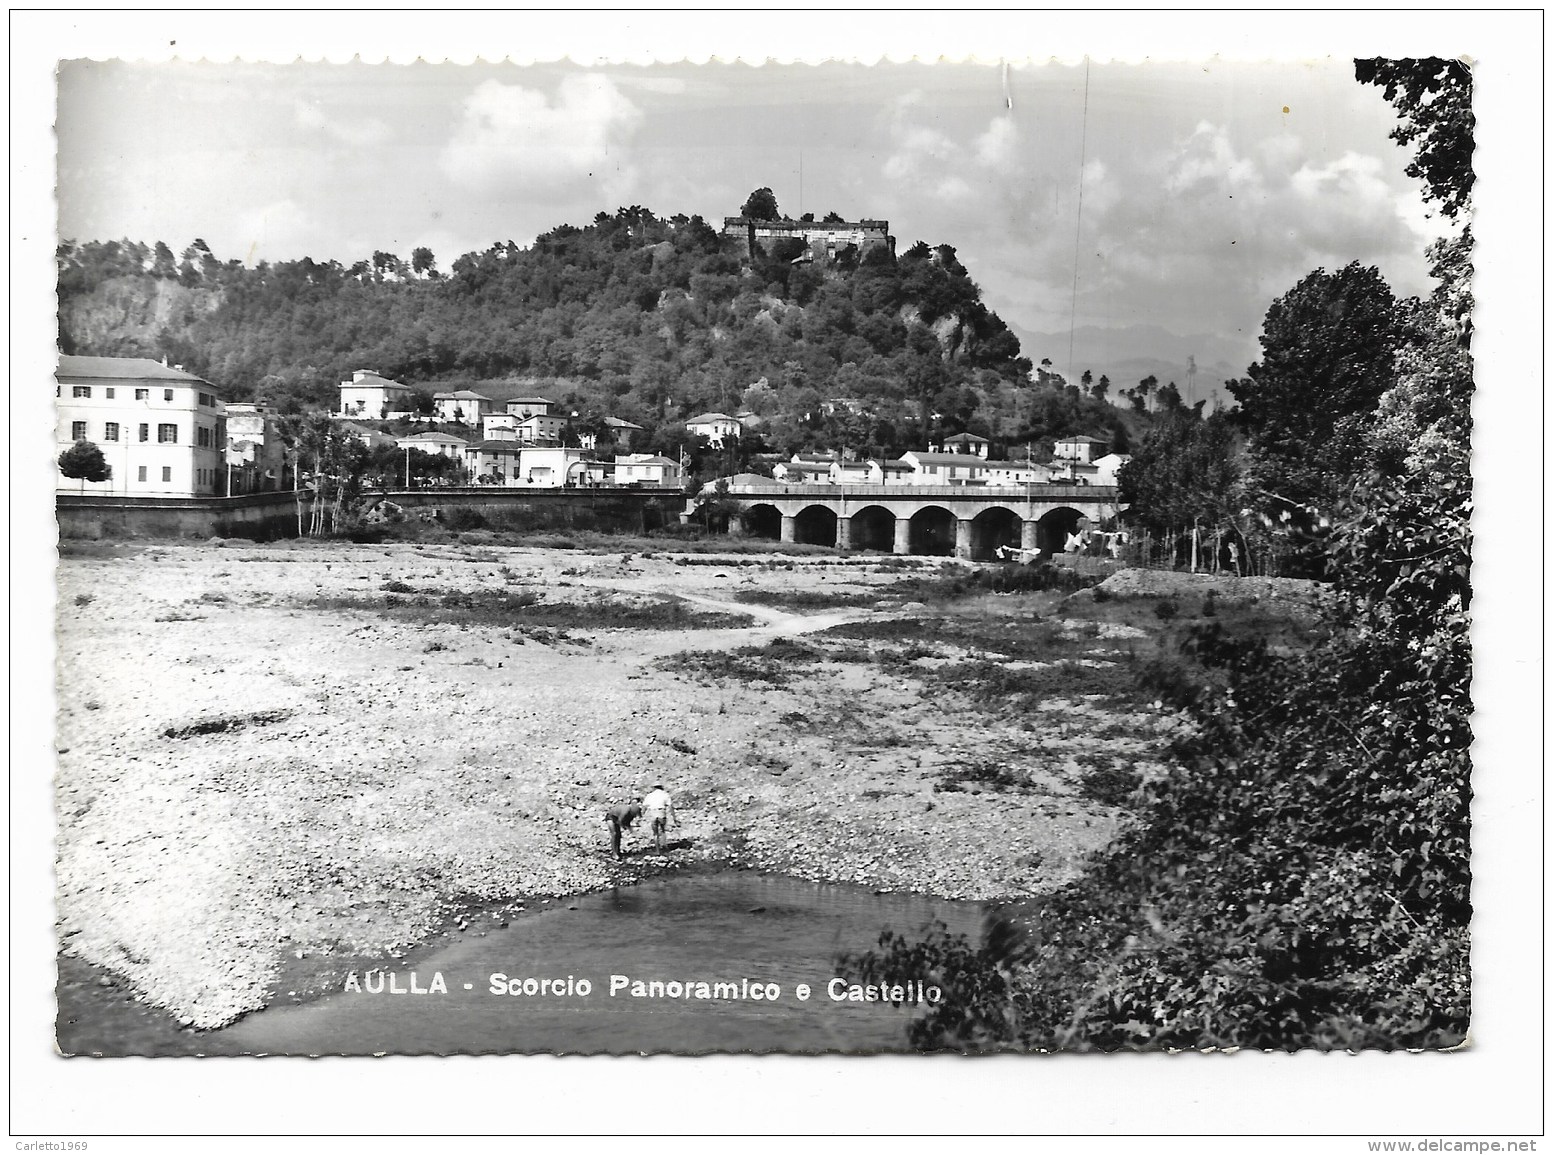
[{"x": 161, "y": 430}]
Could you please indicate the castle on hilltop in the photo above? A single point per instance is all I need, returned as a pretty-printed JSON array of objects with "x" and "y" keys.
[{"x": 822, "y": 241}]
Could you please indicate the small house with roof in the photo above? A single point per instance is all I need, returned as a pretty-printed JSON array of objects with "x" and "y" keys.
[
  {"x": 897, "y": 472},
  {"x": 528, "y": 406},
  {"x": 554, "y": 466},
  {"x": 929, "y": 468},
  {"x": 849, "y": 472},
  {"x": 541, "y": 428},
  {"x": 1107, "y": 467},
  {"x": 494, "y": 461},
  {"x": 444, "y": 443},
  {"x": 1017, "y": 473},
  {"x": 715, "y": 427},
  {"x": 462, "y": 405},
  {"x": 804, "y": 469},
  {"x": 622, "y": 432},
  {"x": 648, "y": 470},
  {"x": 967, "y": 443},
  {"x": 371, "y": 438},
  {"x": 369, "y": 394},
  {"x": 1080, "y": 448}
]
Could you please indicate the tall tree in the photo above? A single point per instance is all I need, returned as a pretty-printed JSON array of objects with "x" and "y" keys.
[
  {"x": 1329, "y": 347},
  {"x": 1184, "y": 471},
  {"x": 761, "y": 206}
]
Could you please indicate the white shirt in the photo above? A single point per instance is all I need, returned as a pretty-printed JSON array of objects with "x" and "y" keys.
[{"x": 658, "y": 804}]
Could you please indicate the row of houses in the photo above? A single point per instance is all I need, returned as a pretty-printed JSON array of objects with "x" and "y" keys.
[
  {"x": 534, "y": 419},
  {"x": 164, "y": 432},
  {"x": 1073, "y": 463}
]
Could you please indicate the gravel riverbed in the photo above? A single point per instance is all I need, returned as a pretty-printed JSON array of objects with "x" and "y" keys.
[{"x": 258, "y": 764}]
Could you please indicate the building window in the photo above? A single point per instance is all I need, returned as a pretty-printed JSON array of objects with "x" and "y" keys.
[
  {"x": 204, "y": 437},
  {"x": 167, "y": 394},
  {"x": 109, "y": 393},
  {"x": 145, "y": 435},
  {"x": 142, "y": 395},
  {"x": 81, "y": 391},
  {"x": 110, "y": 431},
  {"x": 167, "y": 473},
  {"x": 142, "y": 474},
  {"x": 167, "y": 434},
  {"x": 78, "y": 431},
  {"x": 207, "y": 400}
]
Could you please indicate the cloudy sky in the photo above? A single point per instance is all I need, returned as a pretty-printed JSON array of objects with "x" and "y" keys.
[{"x": 1180, "y": 196}]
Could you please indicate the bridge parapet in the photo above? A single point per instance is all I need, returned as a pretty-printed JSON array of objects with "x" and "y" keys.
[{"x": 1086, "y": 493}]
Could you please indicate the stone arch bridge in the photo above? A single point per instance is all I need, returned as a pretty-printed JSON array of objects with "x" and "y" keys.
[{"x": 969, "y": 522}]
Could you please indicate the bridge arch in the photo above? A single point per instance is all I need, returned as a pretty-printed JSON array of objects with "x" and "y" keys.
[
  {"x": 1055, "y": 525},
  {"x": 933, "y": 530},
  {"x": 873, "y": 527},
  {"x": 762, "y": 520},
  {"x": 815, "y": 525},
  {"x": 992, "y": 528}
]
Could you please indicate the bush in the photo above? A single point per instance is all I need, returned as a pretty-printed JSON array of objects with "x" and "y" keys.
[{"x": 461, "y": 517}]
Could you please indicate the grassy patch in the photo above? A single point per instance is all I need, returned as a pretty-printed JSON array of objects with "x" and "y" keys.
[
  {"x": 997, "y": 685},
  {"x": 808, "y": 599},
  {"x": 772, "y": 663},
  {"x": 526, "y": 608},
  {"x": 1021, "y": 636}
]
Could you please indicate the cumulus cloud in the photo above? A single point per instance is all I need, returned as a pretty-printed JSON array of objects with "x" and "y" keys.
[
  {"x": 932, "y": 161},
  {"x": 1204, "y": 227},
  {"x": 513, "y": 137},
  {"x": 1207, "y": 161},
  {"x": 997, "y": 147},
  {"x": 357, "y": 133},
  {"x": 1102, "y": 192}
]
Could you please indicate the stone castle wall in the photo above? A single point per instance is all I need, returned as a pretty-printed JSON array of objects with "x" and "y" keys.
[{"x": 824, "y": 239}]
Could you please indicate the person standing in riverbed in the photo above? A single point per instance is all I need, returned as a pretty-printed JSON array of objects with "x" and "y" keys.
[
  {"x": 659, "y": 808},
  {"x": 620, "y": 817}
]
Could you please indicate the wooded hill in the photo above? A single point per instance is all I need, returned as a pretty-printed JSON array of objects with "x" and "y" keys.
[{"x": 641, "y": 317}]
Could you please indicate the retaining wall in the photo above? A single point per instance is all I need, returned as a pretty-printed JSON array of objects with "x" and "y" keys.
[
  {"x": 261, "y": 516},
  {"x": 264, "y": 516},
  {"x": 615, "y": 510}
]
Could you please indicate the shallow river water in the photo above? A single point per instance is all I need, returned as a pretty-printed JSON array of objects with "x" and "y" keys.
[{"x": 756, "y": 932}]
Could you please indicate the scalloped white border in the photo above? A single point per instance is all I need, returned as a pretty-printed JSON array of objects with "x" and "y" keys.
[{"x": 1491, "y": 1089}]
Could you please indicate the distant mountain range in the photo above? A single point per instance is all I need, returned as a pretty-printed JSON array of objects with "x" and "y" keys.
[{"x": 1129, "y": 353}]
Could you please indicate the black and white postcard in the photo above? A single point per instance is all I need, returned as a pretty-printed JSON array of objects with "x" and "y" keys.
[{"x": 840, "y": 557}]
